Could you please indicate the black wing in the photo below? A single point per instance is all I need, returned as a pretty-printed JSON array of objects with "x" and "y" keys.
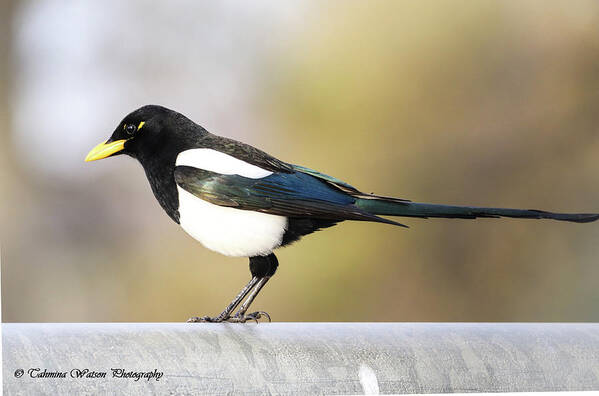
[{"x": 294, "y": 194}]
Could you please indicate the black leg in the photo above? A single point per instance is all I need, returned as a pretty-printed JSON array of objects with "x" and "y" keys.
[
  {"x": 240, "y": 316},
  {"x": 226, "y": 314},
  {"x": 263, "y": 266},
  {"x": 262, "y": 269}
]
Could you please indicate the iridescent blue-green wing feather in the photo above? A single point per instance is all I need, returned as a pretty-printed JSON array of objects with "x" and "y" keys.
[{"x": 286, "y": 194}]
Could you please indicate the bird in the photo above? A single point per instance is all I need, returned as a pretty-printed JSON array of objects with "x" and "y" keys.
[{"x": 239, "y": 201}]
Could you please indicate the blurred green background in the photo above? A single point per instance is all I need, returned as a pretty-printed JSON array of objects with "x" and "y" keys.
[{"x": 459, "y": 102}]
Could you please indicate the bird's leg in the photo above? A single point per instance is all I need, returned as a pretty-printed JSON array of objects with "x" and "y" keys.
[
  {"x": 226, "y": 314},
  {"x": 240, "y": 316},
  {"x": 263, "y": 267}
]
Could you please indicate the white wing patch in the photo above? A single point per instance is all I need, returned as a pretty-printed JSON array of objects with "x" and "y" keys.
[
  {"x": 230, "y": 231},
  {"x": 215, "y": 161}
]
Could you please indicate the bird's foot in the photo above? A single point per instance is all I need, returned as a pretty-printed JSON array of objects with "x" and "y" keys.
[
  {"x": 242, "y": 318},
  {"x": 237, "y": 318},
  {"x": 206, "y": 319}
]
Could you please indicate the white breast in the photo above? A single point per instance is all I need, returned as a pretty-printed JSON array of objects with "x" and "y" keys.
[{"x": 229, "y": 231}]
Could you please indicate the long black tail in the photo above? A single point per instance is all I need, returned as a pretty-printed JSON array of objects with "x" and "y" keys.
[{"x": 396, "y": 207}]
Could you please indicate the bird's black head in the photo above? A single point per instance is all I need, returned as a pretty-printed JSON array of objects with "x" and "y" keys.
[{"x": 146, "y": 131}]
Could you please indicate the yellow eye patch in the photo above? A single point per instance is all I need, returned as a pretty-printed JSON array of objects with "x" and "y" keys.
[{"x": 138, "y": 127}]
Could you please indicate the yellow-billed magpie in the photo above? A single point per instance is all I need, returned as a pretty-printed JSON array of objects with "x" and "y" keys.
[{"x": 240, "y": 201}]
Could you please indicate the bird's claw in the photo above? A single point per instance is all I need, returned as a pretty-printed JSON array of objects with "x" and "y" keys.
[
  {"x": 265, "y": 314},
  {"x": 255, "y": 316}
]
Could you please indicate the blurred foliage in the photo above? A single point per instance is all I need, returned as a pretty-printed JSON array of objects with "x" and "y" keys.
[{"x": 482, "y": 103}]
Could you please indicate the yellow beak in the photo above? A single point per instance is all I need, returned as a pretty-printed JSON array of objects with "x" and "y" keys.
[{"x": 103, "y": 150}]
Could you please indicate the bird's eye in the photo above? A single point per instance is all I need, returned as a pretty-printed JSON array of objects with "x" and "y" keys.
[{"x": 130, "y": 129}]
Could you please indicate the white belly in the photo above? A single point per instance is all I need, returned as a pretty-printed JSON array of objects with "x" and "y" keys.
[{"x": 230, "y": 231}]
